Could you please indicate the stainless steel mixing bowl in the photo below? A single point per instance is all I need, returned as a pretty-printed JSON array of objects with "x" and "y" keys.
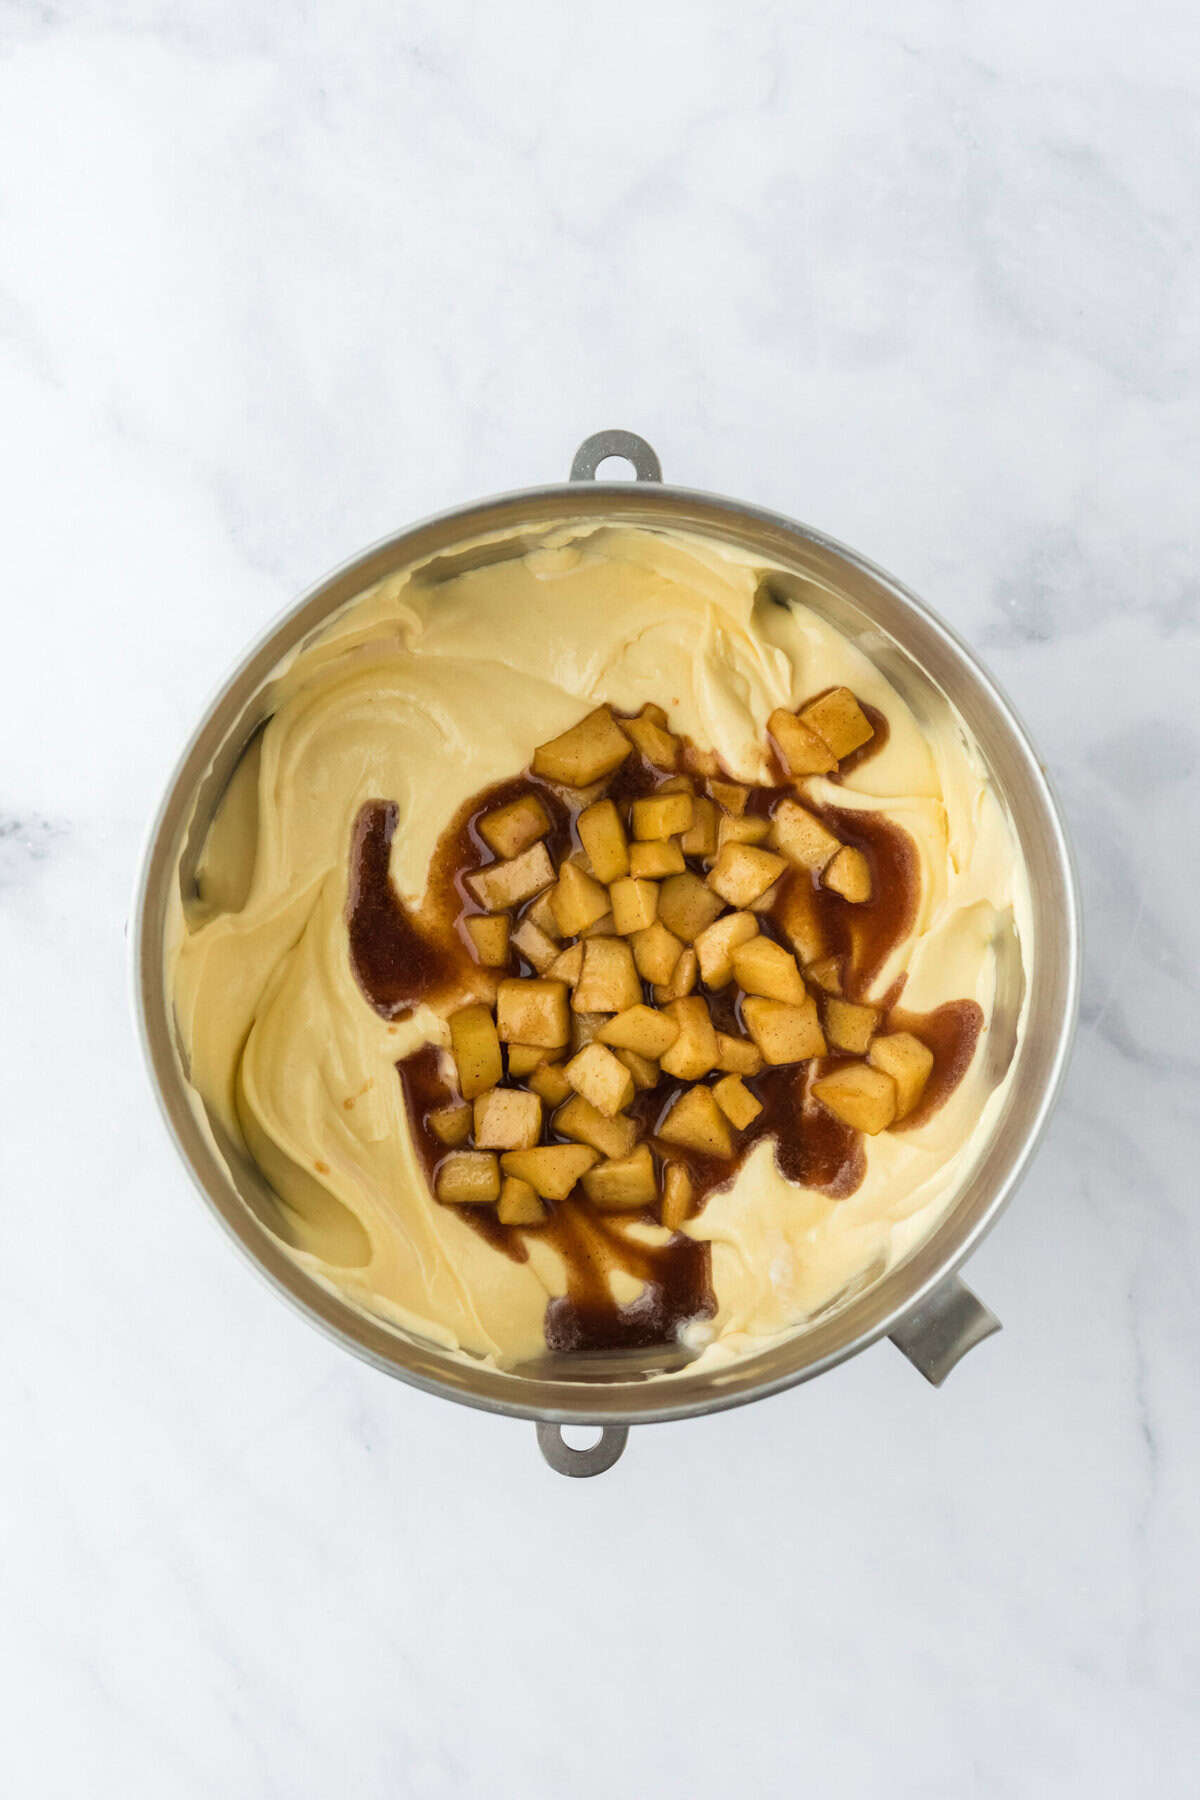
[{"x": 921, "y": 1303}]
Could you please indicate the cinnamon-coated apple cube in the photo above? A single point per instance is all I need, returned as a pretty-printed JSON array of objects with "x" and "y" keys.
[
  {"x": 468, "y": 1178},
  {"x": 678, "y": 784},
  {"x": 730, "y": 795},
  {"x": 700, "y": 839},
  {"x": 656, "y": 951},
  {"x": 505, "y": 884},
  {"x": 585, "y": 753},
  {"x": 507, "y": 1119},
  {"x": 767, "y": 899},
  {"x": 802, "y": 750},
  {"x": 579, "y": 1119},
  {"x": 532, "y": 1010},
  {"x": 799, "y": 918},
  {"x": 659, "y": 747},
  {"x": 678, "y": 1195},
  {"x": 450, "y": 1125},
  {"x": 577, "y": 900},
  {"x": 512, "y": 828},
  {"x": 686, "y": 905},
  {"x": 489, "y": 934},
  {"x": 764, "y": 967},
  {"x": 784, "y": 1033},
  {"x": 738, "y": 1056},
  {"x": 860, "y": 1096},
  {"x": 624, "y": 1184},
  {"x": 519, "y": 1204},
  {"x": 741, "y": 873},
  {"x": 800, "y": 836},
  {"x": 840, "y": 720},
  {"x": 826, "y": 973},
  {"x": 643, "y": 1068},
  {"x": 602, "y": 834},
  {"x": 608, "y": 981},
  {"x": 749, "y": 829},
  {"x": 849, "y": 1026},
  {"x": 567, "y": 965},
  {"x": 682, "y": 982},
  {"x": 601, "y": 927},
  {"x": 585, "y": 1029},
  {"x": 703, "y": 762},
  {"x": 551, "y": 1170},
  {"x": 717, "y": 942},
  {"x": 634, "y": 905},
  {"x": 541, "y": 913},
  {"x": 522, "y": 1059},
  {"x": 549, "y": 1082},
  {"x": 908, "y": 1061},
  {"x": 533, "y": 944},
  {"x": 662, "y": 815},
  {"x": 696, "y": 1122},
  {"x": 736, "y": 1101},
  {"x": 641, "y": 1028},
  {"x": 476, "y": 1049},
  {"x": 694, "y": 1051},
  {"x": 849, "y": 874},
  {"x": 599, "y": 1077},
  {"x": 652, "y": 861}
]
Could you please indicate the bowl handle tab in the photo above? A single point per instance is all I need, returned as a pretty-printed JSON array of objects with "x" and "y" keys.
[
  {"x": 947, "y": 1324},
  {"x": 593, "y": 1461},
  {"x": 626, "y": 444}
]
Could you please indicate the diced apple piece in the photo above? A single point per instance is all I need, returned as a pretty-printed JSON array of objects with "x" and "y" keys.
[
  {"x": 704, "y": 762},
  {"x": 686, "y": 905},
  {"x": 601, "y": 927},
  {"x": 784, "y": 1033},
  {"x": 533, "y": 1011},
  {"x": 681, "y": 983},
  {"x": 656, "y": 951},
  {"x": 700, "y": 839},
  {"x": 717, "y": 942},
  {"x": 468, "y": 1178},
  {"x": 488, "y": 933},
  {"x": 662, "y": 815},
  {"x": 860, "y": 1096},
  {"x": 549, "y": 1082},
  {"x": 800, "y": 836},
  {"x": 567, "y": 965},
  {"x": 650, "y": 862},
  {"x": 643, "y": 1068},
  {"x": 625, "y": 1184},
  {"x": 541, "y": 913},
  {"x": 767, "y": 899},
  {"x": 826, "y": 973},
  {"x": 599, "y": 1077},
  {"x": 507, "y": 1119},
  {"x": 602, "y": 835},
  {"x": 764, "y": 967},
  {"x": 848, "y": 1026},
  {"x": 696, "y": 1122},
  {"x": 523, "y": 1059},
  {"x": 849, "y": 874},
  {"x": 738, "y": 1056},
  {"x": 840, "y": 720},
  {"x": 750, "y": 829},
  {"x": 450, "y": 1125},
  {"x": 802, "y": 750},
  {"x": 512, "y": 828},
  {"x": 608, "y": 981},
  {"x": 580, "y": 1119},
  {"x": 655, "y": 714},
  {"x": 908, "y": 1061},
  {"x": 585, "y": 753},
  {"x": 678, "y": 1196},
  {"x": 694, "y": 1051},
  {"x": 585, "y": 1029},
  {"x": 634, "y": 905},
  {"x": 578, "y": 900},
  {"x": 678, "y": 784},
  {"x": 659, "y": 747},
  {"x": 730, "y": 795},
  {"x": 533, "y": 944},
  {"x": 551, "y": 1170},
  {"x": 519, "y": 1204},
  {"x": 736, "y": 1101},
  {"x": 643, "y": 1029},
  {"x": 741, "y": 873},
  {"x": 476, "y": 1049},
  {"x": 799, "y": 918},
  {"x": 506, "y": 884}
]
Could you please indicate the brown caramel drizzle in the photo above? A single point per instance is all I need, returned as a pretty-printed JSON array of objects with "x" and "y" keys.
[{"x": 400, "y": 959}]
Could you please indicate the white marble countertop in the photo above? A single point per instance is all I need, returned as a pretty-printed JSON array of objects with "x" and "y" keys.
[{"x": 274, "y": 281}]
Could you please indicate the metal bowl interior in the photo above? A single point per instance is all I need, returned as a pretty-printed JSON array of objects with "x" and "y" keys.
[{"x": 926, "y": 663}]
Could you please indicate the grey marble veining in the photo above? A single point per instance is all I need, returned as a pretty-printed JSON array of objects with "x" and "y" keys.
[{"x": 273, "y": 283}]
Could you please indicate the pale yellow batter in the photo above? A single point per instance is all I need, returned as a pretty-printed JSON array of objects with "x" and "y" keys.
[{"x": 425, "y": 691}]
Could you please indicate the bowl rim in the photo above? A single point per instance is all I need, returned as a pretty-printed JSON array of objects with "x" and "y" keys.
[{"x": 600, "y": 1403}]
